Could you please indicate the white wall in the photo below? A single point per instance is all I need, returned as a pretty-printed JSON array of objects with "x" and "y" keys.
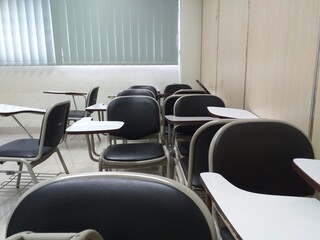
[
  {"x": 190, "y": 41},
  {"x": 25, "y": 85}
]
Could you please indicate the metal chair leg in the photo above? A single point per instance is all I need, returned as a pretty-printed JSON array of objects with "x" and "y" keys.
[
  {"x": 19, "y": 175},
  {"x": 62, "y": 162}
]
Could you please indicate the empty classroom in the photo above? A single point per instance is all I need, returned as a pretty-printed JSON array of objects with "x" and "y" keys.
[{"x": 85, "y": 100}]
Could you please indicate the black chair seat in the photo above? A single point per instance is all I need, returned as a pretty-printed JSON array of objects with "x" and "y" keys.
[
  {"x": 77, "y": 114},
  {"x": 184, "y": 146},
  {"x": 23, "y": 148},
  {"x": 196, "y": 161},
  {"x": 134, "y": 152},
  {"x": 187, "y": 130}
]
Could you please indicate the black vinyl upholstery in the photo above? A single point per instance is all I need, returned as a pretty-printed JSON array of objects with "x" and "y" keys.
[
  {"x": 192, "y": 105},
  {"x": 24, "y": 148},
  {"x": 141, "y": 117},
  {"x": 117, "y": 205},
  {"x": 196, "y": 104},
  {"x": 197, "y": 161},
  {"x": 148, "y": 87},
  {"x": 55, "y": 124},
  {"x": 134, "y": 152},
  {"x": 169, "y": 102},
  {"x": 189, "y": 91},
  {"x": 92, "y": 97},
  {"x": 167, "y": 109},
  {"x": 257, "y": 155},
  {"x": 138, "y": 91},
  {"x": 31, "y": 152},
  {"x": 172, "y": 88}
]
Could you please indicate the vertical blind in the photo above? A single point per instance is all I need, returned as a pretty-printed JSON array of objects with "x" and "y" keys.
[
  {"x": 26, "y": 33},
  {"x": 70, "y": 32}
]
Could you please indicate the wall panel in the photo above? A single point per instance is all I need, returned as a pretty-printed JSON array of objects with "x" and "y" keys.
[
  {"x": 282, "y": 47},
  {"x": 233, "y": 21},
  {"x": 210, "y": 21},
  {"x": 190, "y": 41}
]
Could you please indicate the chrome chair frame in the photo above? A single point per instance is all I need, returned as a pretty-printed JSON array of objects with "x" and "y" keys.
[{"x": 31, "y": 152}]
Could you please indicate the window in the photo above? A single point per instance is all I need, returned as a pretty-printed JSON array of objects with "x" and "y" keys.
[{"x": 71, "y": 32}]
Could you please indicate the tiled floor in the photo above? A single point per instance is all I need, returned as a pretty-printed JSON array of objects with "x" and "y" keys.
[{"x": 75, "y": 154}]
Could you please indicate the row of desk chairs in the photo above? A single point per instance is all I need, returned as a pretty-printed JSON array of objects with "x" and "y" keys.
[
  {"x": 92, "y": 96},
  {"x": 248, "y": 151},
  {"x": 40, "y": 151},
  {"x": 141, "y": 114},
  {"x": 85, "y": 201},
  {"x": 31, "y": 152},
  {"x": 253, "y": 155},
  {"x": 191, "y": 103}
]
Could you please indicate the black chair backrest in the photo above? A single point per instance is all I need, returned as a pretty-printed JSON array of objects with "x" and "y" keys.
[
  {"x": 199, "y": 149},
  {"x": 151, "y": 88},
  {"x": 257, "y": 155},
  {"x": 169, "y": 102},
  {"x": 92, "y": 96},
  {"x": 172, "y": 88},
  {"x": 138, "y": 91},
  {"x": 189, "y": 91},
  {"x": 140, "y": 114},
  {"x": 117, "y": 205},
  {"x": 196, "y": 104},
  {"x": 54, "y": 124}
]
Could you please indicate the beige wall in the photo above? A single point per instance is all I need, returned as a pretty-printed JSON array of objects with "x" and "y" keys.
[
  {"x": 210, "y": 29},
  {"x": 282, "y": 49},
  {"x": 267, "y": 53},
  {"x": 232, "y": 51},
  {"x": 190, "y": 41}
]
